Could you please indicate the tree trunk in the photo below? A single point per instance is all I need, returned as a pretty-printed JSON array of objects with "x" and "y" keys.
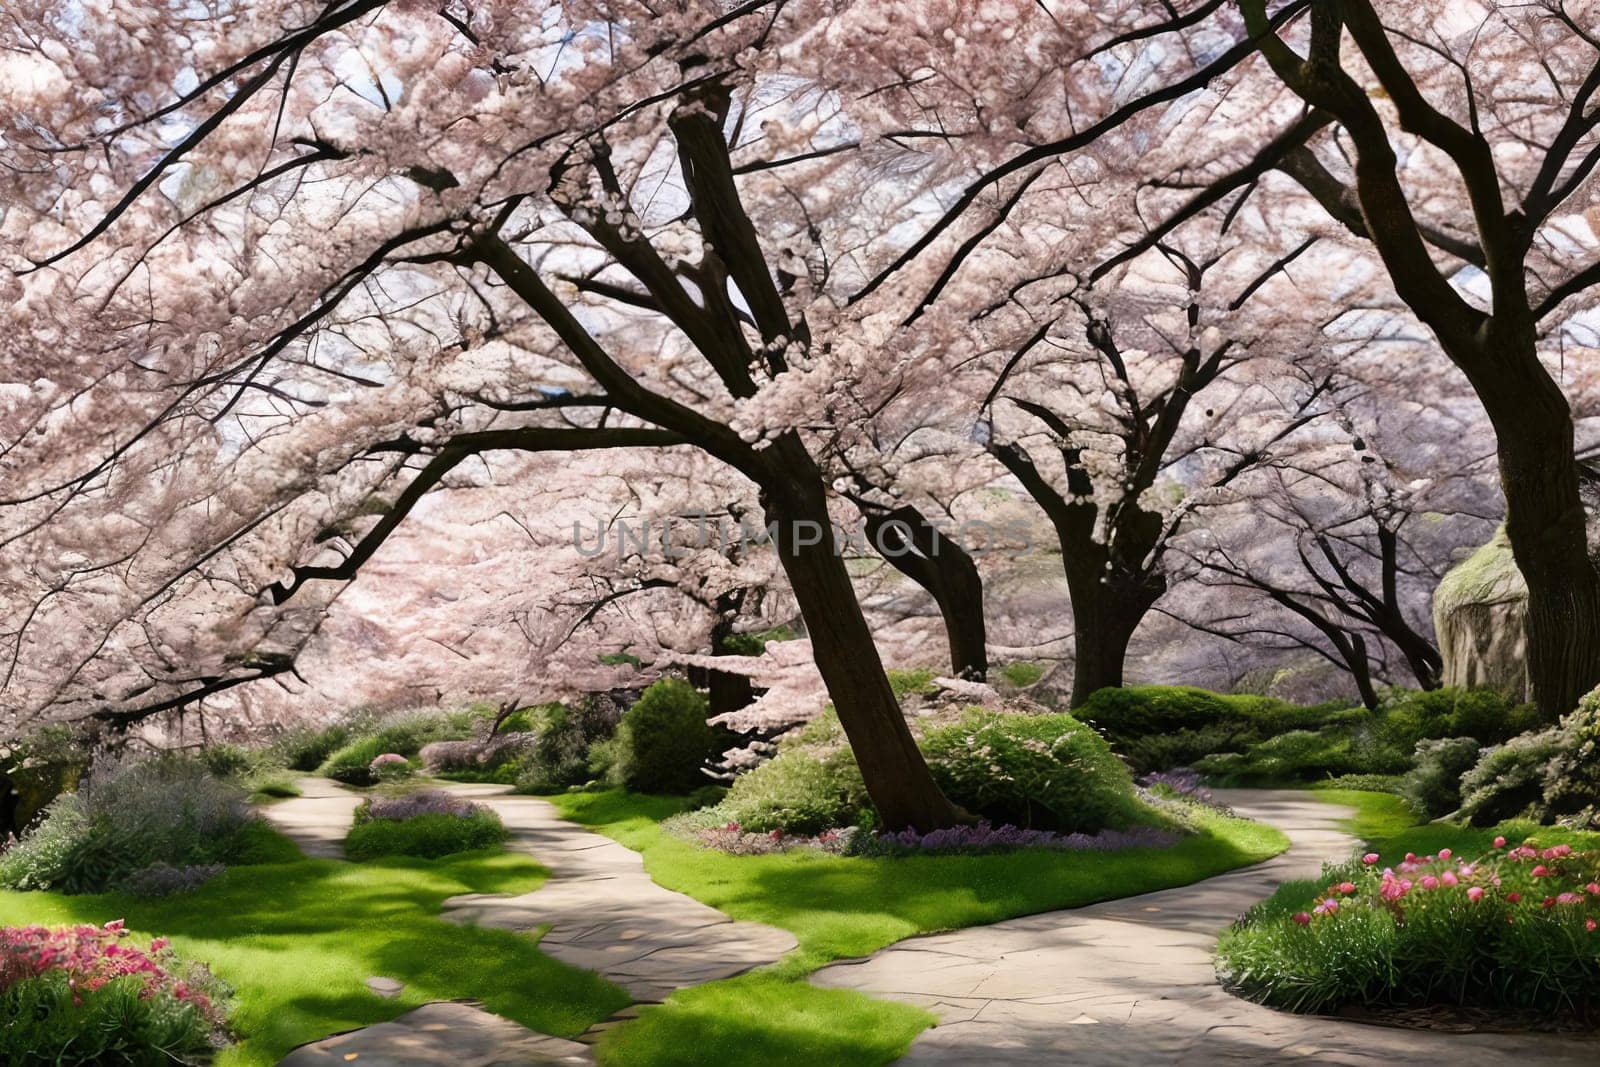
[
  {"x": 1105, "y": 613},
  {"x": 726, "y": 692},
  {"x": 896, "y": 776},
  {"x": 1546, "y": 525},
  {"x": 920, "y": 550}
]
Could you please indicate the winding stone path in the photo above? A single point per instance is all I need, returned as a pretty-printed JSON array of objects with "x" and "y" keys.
[
  {"x": 317, "y": 819},
  {"x": 599, "y": 909},
  {"x": 1130, "y": 981},
  {"x": 604, "y": 912}
]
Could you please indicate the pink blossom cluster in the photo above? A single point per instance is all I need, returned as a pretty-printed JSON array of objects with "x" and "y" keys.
[
  {"x": 92, "y": 956},
  {"x": 1548, "y": 878}
]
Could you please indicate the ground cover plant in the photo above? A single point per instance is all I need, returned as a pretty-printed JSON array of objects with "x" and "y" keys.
[
  {"x": 841, "y": 907},
  {"x": 430, "y": 823},
  {"x": 88, "y": 994},
  {"x": 127, "y": 818},
  {"x": 295, "y": 939}
]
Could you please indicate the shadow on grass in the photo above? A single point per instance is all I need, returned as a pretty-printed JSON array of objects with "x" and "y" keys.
[{"x": 297, "y": 941}]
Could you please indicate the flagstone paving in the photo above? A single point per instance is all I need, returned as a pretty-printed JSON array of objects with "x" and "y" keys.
[
  {"x": 602, "y": 911},
  {"x": 1130, "y": 981}
]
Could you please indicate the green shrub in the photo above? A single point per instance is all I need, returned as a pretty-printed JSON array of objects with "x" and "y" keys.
[
  {"x": 573, "y": 746},
  {"x": 1481, "y": 714},
  {"x": 1048, "y": 772},
  {"x": 802, "y": 790},
  {"x": 663, "y": 740},
  {"x": 428, "y": 825},
  {"x": 1552, "y": 775},
  {"x": 1433, "y": 786},
  {"x": 1508, "y": 780},
  {"x": 1158, "y": 727},
  {"x": 403, "y": 734},
  {"x": 305, "y": 748},
  {"x": 129, "y": 817},
  {"x": 1293, "y": 756}
]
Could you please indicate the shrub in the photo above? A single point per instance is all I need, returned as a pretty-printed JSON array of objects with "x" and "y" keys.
[
  {"x": 571, "y": 747},
  {"x": 802, "y": 790},
  {"x": 308, "y": 747},
  {"x": 663, "y": 740},
  {"x": 1293, "y": 756},
  {"x": 1549, "y": 775},
  {"x": 906, "y": 683},
  {"x": 1481, "y": 714},
  {"x": 84, "y": 995},
  {"x": 1433, "y": 786},
  {"x": 402, "y": 734},
  {"x": 1517, "y": 929},
  {"x": 1046, "y": 771},
  {"x": 1034, "y": 771},
  {"x": 428, "y": 824},
  {"x": 1161, "y": 726},
  {"x": 130, "y": 817}
]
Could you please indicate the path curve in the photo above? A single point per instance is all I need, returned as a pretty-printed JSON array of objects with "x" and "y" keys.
[
  {"x": 606, "y": 914},
  {"x": 1130, "y": 981}
]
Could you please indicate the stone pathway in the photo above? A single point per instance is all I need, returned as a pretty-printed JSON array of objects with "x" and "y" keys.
[
  {"x": 443, "y": 1033},
  {"x": 1130, "y": 981},
  {"x": 604, "y": 912},
  {"x": 318, "y": 819}
]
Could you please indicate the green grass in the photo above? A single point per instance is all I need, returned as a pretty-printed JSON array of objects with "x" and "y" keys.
[
  {"x": 841, "y": 907},
  {"x": 298, "y": 938}
]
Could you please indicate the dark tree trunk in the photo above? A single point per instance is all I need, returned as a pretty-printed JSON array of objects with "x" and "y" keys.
[
  {"x": 726, "y": 692},
  {"x": 920, "y": 550},
  {"x": 1107, "y": 607},
  {"x": 896, "y": 776},
  {"x": 1546, "y": 524}
]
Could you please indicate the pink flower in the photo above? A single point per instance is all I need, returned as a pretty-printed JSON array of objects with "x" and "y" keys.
[
  {"x": 115, "y": 926},
  {"x": 1347, "y": 888},
  {"x": 1593, "y": 888},
  {"x": 1540, "y": 870},
  {"x": 1499, "y": 842},
  {"x": 1449, "y": 878},
  {"x": 1513, "y": 897},
  {"x": 1589, "y": 925},
  {"x": 158, "y": 944},
  {"x": 1302, "y": 918},
  {"x": 1475, "y": 893},
  {"x": 1370, "y": 858},
  {"x": 1430, "y": 882},
  {"x": 1411, "y": 857},
  {"x": 1444, "y": 853},
  {"x": 1569, "y": 898}
]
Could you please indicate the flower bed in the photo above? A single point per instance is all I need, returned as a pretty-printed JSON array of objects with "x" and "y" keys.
[
  {"x": 427, "y": 824},
  {"x": 1515, "y": 929},
  {"x": 84, "y": 994},
  {"x": 982, "y": 837}
]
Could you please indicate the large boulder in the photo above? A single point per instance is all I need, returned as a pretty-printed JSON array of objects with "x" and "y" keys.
[{"x": 1479, "y": 614}]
